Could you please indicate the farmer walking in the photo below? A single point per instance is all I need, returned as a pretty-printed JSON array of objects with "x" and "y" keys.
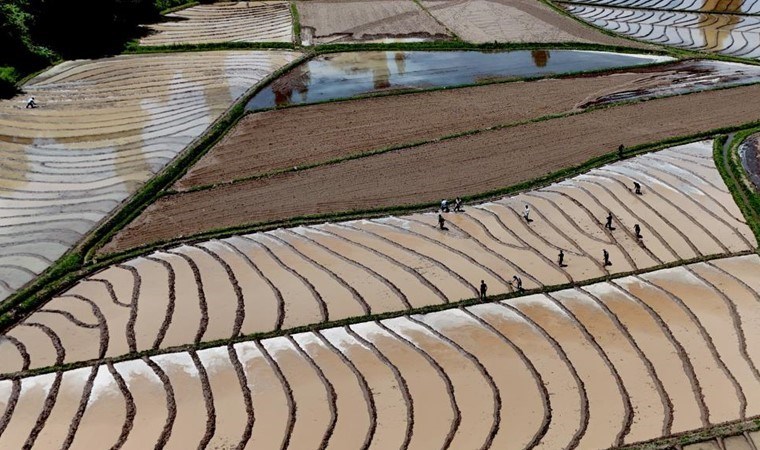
[
  {"x": 621, "y": 149},
  {"x": 606, "y": 256},
  {"x": 458, "y": 205},
  {"x": 442, "y": 223},
  {"x": 561, "y": 258},
  {"x": 526, "y": 214},
  {"x": 517, "y": 283},
  {"x": 637, "y": 230},
  {"x": 608, "y": 225},
  {"x": 31, "y": 103},
  {"x": 483, "y": 290},
  {"x": 636, "y": 188}
]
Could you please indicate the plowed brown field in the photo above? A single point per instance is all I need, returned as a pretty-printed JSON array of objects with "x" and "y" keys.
[
  {"x": 426, "y": 173},
  {"x": 261, "y": 143}
]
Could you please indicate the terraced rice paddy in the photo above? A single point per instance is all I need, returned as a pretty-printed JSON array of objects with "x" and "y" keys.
[
  {"x": 729, "y": 27},
  {"x": 333, "y": 21},
  {"x": 608, "y": 364},
  {"x": 473, "y": 164},
  {"x": 259, "y": 21},
  {"x": 103, "y": 128},
  {"x": 288, "y": 278},
  {"x": 345, "y": 75},
  {"x": 514, "y": 21}
]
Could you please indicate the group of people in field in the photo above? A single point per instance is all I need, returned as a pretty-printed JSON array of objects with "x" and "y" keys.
[{"x": 516, "y": 281}]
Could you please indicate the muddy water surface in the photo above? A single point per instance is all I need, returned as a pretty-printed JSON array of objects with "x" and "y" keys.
[{"x": 345, "y": 75}]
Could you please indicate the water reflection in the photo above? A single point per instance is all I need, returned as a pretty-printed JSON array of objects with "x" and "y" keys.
[
  {"x": 540, "y": 57},
  {"x": 345, "y": 75}
]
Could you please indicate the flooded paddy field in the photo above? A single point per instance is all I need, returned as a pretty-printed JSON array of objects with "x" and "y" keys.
[
  {"x": 345, "y": 21},
  {"x": 608, "y": 364},
  {"x": 345, "y": 75},
  {"x": 719, "y": 27},
  {"x": 259, "y": 21},
  {"x": 287, "y": 278},
  {"x": 103, "y": 128},
  {"x": 473, "y": 164},
  {"x": 514, "y": 21}
]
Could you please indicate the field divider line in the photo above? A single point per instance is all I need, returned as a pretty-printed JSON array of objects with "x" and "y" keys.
[
  {"x": 706, "y": 337},
  {"x": 171, "y": 281},
  {"x": 383, "y": 256},
  {"x": 683, "y": 438},
  {"x": 129, "y": 406},
  {"x": 582, "y": 393},
  {"x": 332, "y": 396},
  {"x": 441, "y": 373},
  {"x": 667, "y": 402},
  {"x": 622, "y": 390},
  {"x": 445, "y": 27},
  {"x": 171, "y": 402},
  {"x": 256, "y": 337},
  {"x": 400, "y": 381},
  {"x": 496, "y": 394},
  {"x": 77, "y": 419},
  {"x": 47, "y": 409},
  {"x": 202, "y": 302},
  {"x": 246, "y": 391},
  {"x": 208, "y": 400},
  {"x": 736, "y": 320},
  {"x": 369, "y": 399},
  {"x": 287, "y": 390}
]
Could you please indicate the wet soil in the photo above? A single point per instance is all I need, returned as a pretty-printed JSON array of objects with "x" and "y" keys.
[{"x": 472, "y": 165}]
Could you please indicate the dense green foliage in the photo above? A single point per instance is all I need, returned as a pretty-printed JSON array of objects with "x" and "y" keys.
[
  {"x": 35, "y": 33},
  {"x": 19, "y": 54}
]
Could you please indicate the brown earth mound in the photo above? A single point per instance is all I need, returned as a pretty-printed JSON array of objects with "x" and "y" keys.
[{"x": 461, "y": 166}]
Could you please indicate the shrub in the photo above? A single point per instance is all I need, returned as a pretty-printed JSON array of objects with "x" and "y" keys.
[{"x": 8, "y": 78}]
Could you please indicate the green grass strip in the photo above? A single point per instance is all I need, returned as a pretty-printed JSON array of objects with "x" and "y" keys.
[
  {"x": 723, "y": 430},
  {"x": 296, "y": 17},
  {"x": 732, "y": 172},
  {"x": 134, "y": 47},
  {"x": 177, "y": 8}
]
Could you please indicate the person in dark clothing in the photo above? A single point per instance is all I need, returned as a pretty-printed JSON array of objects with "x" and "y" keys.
[
  {"x": 608, "y": 225},
  {"x": 636, "y": 188},
  {"x": 517, "y": 283},
  {"x": 31, "y": 103},
  {"x": 483, "y": 289},
  {"x": 561, "y": 258},
  {"x": 637, "y": 230},
  {"x": 606, "y": 256},
  {"x": 526, "y": 214},
  {"x": 458, "y": 205},
  {"x": 621, "y": 149},
  {"x": 442, "y": 223}
]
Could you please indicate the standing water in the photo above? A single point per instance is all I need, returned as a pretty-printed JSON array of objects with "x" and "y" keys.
[{"x": 345, "y": 75}]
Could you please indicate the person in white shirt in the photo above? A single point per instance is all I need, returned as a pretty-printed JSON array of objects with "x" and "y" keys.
[{"x": 31, "y": 103}]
